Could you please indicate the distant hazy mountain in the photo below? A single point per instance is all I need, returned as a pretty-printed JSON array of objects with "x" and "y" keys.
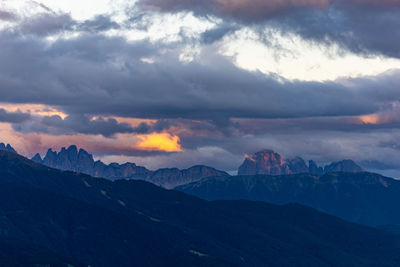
[
  {"x": 81, "y": 161},
  {"x": 169, "y": 178},
  {"x": 362, "y": 197},
  {"x": 343, "y": 166},
  {"x": 271, "y": 163},
  {"x": 9, "y": 148},
  {"x": 133, "y": 223}
]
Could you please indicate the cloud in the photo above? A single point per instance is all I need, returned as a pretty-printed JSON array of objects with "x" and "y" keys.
[
  {"x": 82, "y": 124},
  {"x": 105, "y": 76},
  {"x": 254, "y": 10},
  {"x": 44, "y": 24},
  {"x": 50, "y": 23},
  {"x": 85, "y": 125},
  {"x": 359, "y": 29},
  {"x": 13, "y": 117},
  {"x": 217, "y": 33},
  {"x": 365, "y": 27},
  {"x": 7, "y": 16},
  {"x": 98, "y": 24},
  {"x": 246, "y": 10}
]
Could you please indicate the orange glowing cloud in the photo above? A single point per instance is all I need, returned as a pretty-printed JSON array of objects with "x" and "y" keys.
[
  {"x": 160, "y": 141},
  {"x": 376, "y": 118},
  {"x": 35, "y": 109},
  {"x": 370, "y": 119}
]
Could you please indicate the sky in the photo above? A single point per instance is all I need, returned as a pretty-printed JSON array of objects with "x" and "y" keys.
[{"x": 176, "y": 83}]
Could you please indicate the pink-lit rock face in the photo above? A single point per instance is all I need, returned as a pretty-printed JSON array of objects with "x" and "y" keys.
[{"x": 271, "y": 163}]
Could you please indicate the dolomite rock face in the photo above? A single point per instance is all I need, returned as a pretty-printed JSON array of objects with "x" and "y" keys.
[
  {"x": 271, "y": 163},
  {"x": 268, "y": 162}
]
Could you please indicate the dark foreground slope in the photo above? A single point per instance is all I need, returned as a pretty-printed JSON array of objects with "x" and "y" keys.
[
  {"x": 133, "y": 223},
  {"x": 365, "y": 198},
  {"x": 21, "y": 253}
]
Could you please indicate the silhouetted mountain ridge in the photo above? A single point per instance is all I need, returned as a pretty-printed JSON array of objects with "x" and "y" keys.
[{"x": 7, "y": 147}]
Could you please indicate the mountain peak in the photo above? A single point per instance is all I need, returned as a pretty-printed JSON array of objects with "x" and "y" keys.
[
  {"x": 37, "y": 158},
  {"x": 7, "y": 147},
  {"x": 347, "y": 165},
  {"x": 313, "y": 168},
  {"x": 72, "y": 148},
  {"x": 265, "y": 162}
]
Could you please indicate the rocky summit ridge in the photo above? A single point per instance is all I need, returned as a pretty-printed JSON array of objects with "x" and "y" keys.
[
  {"x": 271, "y": 163},
  {"x": 72, "y": 159}
]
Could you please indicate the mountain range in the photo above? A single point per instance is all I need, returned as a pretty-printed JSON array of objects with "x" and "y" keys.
[
  {"x": 76, "y": 219},
  {"x": 341, "y": 188},
  {"x": 263, "y": 162},
  {"x": 72, "y": 159},
  {"x": 271, "y": 163}
]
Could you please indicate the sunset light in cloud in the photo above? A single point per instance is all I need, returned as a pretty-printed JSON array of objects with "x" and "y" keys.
[
  {"x": 160, "y": 142},
  {"x": 33, "y": 109},
  {"x": 378, "y": 118},
  {"x": 370, "y": 119}
]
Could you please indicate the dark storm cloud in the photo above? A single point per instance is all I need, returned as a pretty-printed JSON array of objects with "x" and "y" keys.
[
  {"x": 255, "y": 10},
  {"x": 366, "y": 27},
  {"x": 359, "y": 29},
  {"x": 98, "y": 75},
  {"x": 81, "y": 124},
  {"x": 50, "y": 22},
  {"x": 335, "y": 124},
  {"x": 13, "y": 117},
  {"x": 247, "y": 10}
]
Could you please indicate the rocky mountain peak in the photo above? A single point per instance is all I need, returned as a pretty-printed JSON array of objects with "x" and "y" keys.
[
  {"x": 347, "y": 165},
  {"x": 266, "y": 156},
  {"x": 271, "y": 163},
  {"x": 313, "y": 168},
  {"x": 73, "y": 149},
  {"x": 37, "y": 158},
  {"x": 297, "y": 165},
  {"x": 7, "y": 147}
]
